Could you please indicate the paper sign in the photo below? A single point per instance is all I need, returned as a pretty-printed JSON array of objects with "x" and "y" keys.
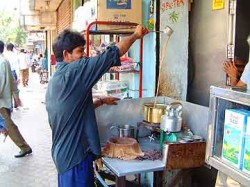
[{"x": 218, "y": 4}]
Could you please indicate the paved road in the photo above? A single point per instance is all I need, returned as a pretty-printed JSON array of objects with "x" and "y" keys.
[{"x": 36, "y": 170}]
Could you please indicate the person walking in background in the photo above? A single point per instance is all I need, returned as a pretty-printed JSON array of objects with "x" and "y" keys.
[
  {"x": 24, "y": 64},
  {"x": 70, "y": 107},
  {"x": 8, "y": 89},
  {"x": 39, "y": 66},
  {"x": 40, "y": 60},
  {"x": 13, "y": 60},
  {"x": 45, "y": 61}
]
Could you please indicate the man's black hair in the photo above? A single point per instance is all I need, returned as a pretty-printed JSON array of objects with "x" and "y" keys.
[
  {"x": 67, "y": 40},
  {"x": 10, "y": 47},
  {"x": 1, "y": 47}
]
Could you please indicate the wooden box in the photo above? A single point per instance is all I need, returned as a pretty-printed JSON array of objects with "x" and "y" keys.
[{"x": 184, "y": 155}]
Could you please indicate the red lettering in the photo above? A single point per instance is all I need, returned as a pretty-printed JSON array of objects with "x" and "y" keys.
[{"x": 173, "y": 4}]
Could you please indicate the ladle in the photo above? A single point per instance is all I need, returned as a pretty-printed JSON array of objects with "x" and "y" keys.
[{"x": 168, "y": 31}]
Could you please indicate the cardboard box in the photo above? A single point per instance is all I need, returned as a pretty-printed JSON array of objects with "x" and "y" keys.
[
  {"x": 233, "y": 138},
  {"x": 114, "y": 88},
  {"x": 116, "y": 11}
]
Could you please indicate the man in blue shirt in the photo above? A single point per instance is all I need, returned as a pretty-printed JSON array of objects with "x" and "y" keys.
[{"x": 70, "y": 107}]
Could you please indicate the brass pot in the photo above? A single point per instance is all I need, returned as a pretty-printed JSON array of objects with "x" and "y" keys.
[{"x": 153, "y": 113}]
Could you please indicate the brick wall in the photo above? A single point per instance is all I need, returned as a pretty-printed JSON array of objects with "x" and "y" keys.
[{"x": 64, "y": 15}]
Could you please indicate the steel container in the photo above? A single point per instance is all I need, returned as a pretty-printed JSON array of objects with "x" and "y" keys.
[{"x": 123, "y": 131}]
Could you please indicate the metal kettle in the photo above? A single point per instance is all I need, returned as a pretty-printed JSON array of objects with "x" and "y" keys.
[{"x": 171, "y": 121}]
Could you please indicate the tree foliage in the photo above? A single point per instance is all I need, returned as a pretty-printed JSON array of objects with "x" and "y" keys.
[{"x": 10, "y": 30}]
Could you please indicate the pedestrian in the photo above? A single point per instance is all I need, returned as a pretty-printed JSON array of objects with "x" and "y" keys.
[
  {"x": 13, "y": 60},
  {"x": 8, "y": 89},
  {"x": 232, "y": 71},
  {"x": 24, "y": 64},
  {"x": 70, "y": 107}
]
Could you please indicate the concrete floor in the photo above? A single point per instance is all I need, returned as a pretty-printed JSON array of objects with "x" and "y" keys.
[{"x": 37, "y": 169}]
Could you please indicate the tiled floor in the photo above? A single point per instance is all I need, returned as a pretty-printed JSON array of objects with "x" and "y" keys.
[{"x": 36, "y": 170}]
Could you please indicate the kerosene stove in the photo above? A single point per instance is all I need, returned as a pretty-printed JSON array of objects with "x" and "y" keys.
[{"x": 171, "y": 122}]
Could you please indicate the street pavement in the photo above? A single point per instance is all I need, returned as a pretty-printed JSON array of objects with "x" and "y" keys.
[{"x": 37, "y": 169}]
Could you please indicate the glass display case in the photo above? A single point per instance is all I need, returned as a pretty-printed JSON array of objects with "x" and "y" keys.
[{"x": 221, "y": 99}]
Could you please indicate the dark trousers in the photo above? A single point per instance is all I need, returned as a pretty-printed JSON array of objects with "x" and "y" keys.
[{"x": 13, "y": 131}]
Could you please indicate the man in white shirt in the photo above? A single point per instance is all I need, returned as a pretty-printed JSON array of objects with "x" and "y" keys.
[
  {"x": 13, "y": 59},
  {"x": 24, "y": 64}
]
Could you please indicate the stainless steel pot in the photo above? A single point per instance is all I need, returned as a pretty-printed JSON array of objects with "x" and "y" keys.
[
  {"x": 153, "y": 113},
  {"x": 123, "y": 131}
]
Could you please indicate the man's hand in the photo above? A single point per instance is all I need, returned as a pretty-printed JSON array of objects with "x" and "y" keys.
[
  {"x": 98, "y": 164},
  {"x": 231, "y": 70},
  {"x": 18, "y": 102},
  {"x": 109, "y": 100},
  {"x": 140, "y": 31}
]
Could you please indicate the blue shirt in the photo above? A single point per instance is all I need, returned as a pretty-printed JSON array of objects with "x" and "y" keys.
[{"x": 70, "y": 108}]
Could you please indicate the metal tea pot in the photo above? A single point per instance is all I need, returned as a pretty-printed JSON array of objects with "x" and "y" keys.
[{"x": 171, "y": 121}]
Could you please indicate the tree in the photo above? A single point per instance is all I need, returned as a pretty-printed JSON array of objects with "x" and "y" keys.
[
  {"x": 20, "y": 36},
  {"x": 10, "y": 30}
]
